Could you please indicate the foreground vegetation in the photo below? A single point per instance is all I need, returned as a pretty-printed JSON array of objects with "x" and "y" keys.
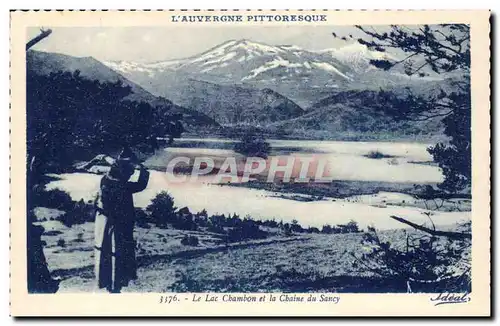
[{"x": 197, "y": 252}]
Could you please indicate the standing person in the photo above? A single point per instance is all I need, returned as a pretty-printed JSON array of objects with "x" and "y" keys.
[{"x": 115, "y": 262}]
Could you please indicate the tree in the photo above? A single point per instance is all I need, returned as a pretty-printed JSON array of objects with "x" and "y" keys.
[
  {"x": 432, "y": 49},
  {"x": 71, "y": 117},
  {"x": 162, "y": 209},
  {"x": 253, "y": 145},
  {"x": 426, "y": 260}
]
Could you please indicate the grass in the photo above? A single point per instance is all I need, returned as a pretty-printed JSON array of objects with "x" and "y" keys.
[{"x": 296, "y": 263}]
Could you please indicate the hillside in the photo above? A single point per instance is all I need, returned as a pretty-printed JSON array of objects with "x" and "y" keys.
[
  {"x": 44, "y": 63},
  {"x": 229, "y": 105},
  {"x": 360, "y": 114}
]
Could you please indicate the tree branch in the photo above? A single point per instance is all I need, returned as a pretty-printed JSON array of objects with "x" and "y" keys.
[
  {"x": 448, "y": 234},
  {"x": 43, "y": 34}
]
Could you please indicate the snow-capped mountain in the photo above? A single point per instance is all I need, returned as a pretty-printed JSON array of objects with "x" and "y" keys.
[
  {"x": 151, "y": 69},
  {"x": 245, "y": 61},
  {"x": 302, "y": 75},
  {"x": 357, "y": 56}
]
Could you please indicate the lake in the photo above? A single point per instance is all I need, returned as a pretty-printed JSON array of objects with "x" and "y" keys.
[{"x": 406, "y": 163}]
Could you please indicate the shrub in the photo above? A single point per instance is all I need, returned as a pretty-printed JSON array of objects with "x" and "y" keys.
[
  {"x": 351, "y": 227},
  {"x": 79, "y": 237},
  {"x": 247, "y": 230},
  {"x": 270, "y": 223},
  {"x": 190, "y": 240},
  {"x": 234, "y": 221},
  {"x": 424, "y": 263},
  {"x": 216, "y": 223},
  {"x": 184, "y": 222},
  {"x": 312, "y": 230},
  {"x": 377, "y": 155},
  {"x": 295, "y": 227},
  {"x": 54, "y": 198},
  {"x": 253, "y": 145},
  {"x": 141, "y": 218},
  {"x": 140, "y": 214},
  {"x": 79, "y": 213},
  {"x": 286, "y": 229},
  {"x": 61, "y": 242},
  {"x": 162, "y": 209},
  {"x": 327, "y": 229}
]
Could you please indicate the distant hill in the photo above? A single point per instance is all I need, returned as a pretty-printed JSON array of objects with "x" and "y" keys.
[
  {"x": 230, "y": 105},
  {"x": 44, "y": 63},
  {"x": 242, "y": 81},
  {"x": 358, "y": 114}
]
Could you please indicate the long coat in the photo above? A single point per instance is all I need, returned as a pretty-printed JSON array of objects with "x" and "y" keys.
[{"x": 115, "y": 263}]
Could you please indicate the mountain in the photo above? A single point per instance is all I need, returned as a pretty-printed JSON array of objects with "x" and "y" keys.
[
  {"x": 357, "y": 56},
  {"x": 301, "y": 75},
  {"x": 45, "y": 63},
  {"x": 229, "y": 105},
  {"x": 356, "y": 115},
  {"x": 244, "y": 61},
  {"x": 289, "y": 70},
  {"x": 368, "y": 114}
]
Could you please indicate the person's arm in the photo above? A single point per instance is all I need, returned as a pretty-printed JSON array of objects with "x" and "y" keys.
[
  {"x": 99, "y": 159},
  {"x": 141, "y": 183}
]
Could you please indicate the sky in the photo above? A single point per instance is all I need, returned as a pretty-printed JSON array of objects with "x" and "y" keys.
[{"x": 150, "y": 44}]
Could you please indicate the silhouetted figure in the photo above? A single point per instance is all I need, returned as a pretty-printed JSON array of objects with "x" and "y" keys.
[{"x": 115, "y": 262}]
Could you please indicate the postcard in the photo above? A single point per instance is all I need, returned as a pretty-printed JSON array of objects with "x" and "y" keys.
[{"x": 250, "y": 163}]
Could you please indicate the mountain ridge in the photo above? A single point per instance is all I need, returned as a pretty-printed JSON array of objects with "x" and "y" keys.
[
  {"x": 48, "y": 62},
  {"x": 299, "y": 74}
]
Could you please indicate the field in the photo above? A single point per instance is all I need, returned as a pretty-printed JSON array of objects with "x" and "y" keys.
[{"x": 279, "y": 263}]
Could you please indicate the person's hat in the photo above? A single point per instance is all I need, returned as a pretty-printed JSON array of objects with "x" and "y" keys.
[{"x": 127, "y": 154}]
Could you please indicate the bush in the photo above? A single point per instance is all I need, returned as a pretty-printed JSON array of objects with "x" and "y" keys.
[
  {"x": 201, "y": 219},
  {"x": 424, "y": 263},
  {"x": 327, "y": 229},
  {"x": 54, "y": 198},
  {"x": 216, "y": 223},
  {"x": 270, "y": 223},
  {"x": 79, "y": 237},
  {"x": 247, "y": 230},
  {"x": 351, "y": 227},
  {"x": 295, "y": 227},
  {"x": 190, "y": 240},
  {"x": 286, "y": 229},
  {"x": 141, "y": 218},
  {"x": 377, "y": 155},
  {"x": 79, "y": 213},
  {"x": 312, "y": 230},
  {"x": 184, "y": 222},
  {"x": 234, "y": 221},
  {"x": 253, "y": 145},
  {"x": 61, "y": 242},
  {"x": 162, "y": 209}
]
